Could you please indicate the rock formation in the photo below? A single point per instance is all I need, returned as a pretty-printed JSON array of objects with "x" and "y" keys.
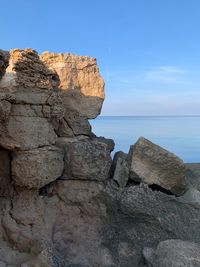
[{"x": 63, "y": 200}]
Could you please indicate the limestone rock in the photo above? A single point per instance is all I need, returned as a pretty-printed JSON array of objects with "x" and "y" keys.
[
  {"x": 176, "y": 253},
  {"x": 38, "y": 167},
  {"x": 80, "y": 79},
  {"x": 88, "y": 159},
  {"x": 6, "y": 188},
  {"x": 80, "y": 216},
  {"x": 79, "y": 124},
  {"x": 151, "y": 164},
  {"x": 26, "y": 70},
  {"x": 31, "y": 132}
]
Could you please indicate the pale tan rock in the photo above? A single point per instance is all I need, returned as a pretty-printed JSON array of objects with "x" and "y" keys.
[
  {"x": 80, "y": 79},
  {"x": 38, "y": 167},
  {"x": 151, "y": 164},
  {"x": 31, "y": 132},
  {"x": 27, "y": 71}
]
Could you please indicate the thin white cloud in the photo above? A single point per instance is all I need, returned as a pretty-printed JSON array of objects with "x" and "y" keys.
[{"x": 164, "y": 74}]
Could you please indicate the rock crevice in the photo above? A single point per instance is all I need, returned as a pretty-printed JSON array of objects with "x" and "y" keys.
[{"x": 63, "y": 201}]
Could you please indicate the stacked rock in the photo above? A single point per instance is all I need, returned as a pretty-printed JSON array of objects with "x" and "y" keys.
[{"x": 63, "y": 201}]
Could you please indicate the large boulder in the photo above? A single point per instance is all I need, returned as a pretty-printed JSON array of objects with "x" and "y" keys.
[
  {"x": 80, "y": 79},
  {"x": 88, "y": 159},
  {"x": 31, "y": 132},
  {"x": 155, "y": 216},
  {"x": 79, "y": 215},
  {"x": 175, "y": 253},
  {"x": 37, "y": 167},
  {"x": 153, "y": 165}
]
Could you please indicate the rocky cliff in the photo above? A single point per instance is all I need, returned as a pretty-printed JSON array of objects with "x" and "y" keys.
[{"x": 63, "y": 200}]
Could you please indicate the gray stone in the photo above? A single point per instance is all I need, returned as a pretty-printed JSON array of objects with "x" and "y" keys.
[
  {"x": 193, "y": 175},
  {"x": 4, "y": 59},
  {"x": 6, "y": 188},
  {"x": 87, "y": 160},
  {"x": 157, "y": 216},
  {"x": 11, "y": 256},
  {"x": 121, "y": 172},
  {"x": 64, "y": 130},
  {"x": 38, "y": 167},
  {"x": 151, "y": 164},
  {"x": 48, "y": 257},
  {"x": 177, "y": 253}
]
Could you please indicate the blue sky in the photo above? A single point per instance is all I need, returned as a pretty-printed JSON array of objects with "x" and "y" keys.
[{"x": 148, "y": 51}]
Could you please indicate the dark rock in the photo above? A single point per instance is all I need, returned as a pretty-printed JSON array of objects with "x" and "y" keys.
[{"x": 88, "y": 159}]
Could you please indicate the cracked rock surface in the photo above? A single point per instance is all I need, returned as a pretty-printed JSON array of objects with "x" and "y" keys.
[{"x": 63, "y": 201}]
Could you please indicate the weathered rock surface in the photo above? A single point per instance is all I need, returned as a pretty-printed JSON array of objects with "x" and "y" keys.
[
  {"x": 79, "y": 77},
  {"x": 26, "y": 70},
  {"x": 120, "y": 170},
  {"x": 63, "y": 200},
  {"x": 74, "y": 124},
  {"x": 6, "y": 188},
  {"x": 175, "y": 253},
  {"x": 3, "y": 62},
  {"x": 88, "y": 159},
  {"x": 154, "y": 165},
  {"x": 37, "y": 167}
]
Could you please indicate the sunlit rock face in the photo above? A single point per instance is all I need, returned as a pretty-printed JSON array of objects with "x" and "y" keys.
[
  {"x": 80, "y": 79},
  {"x": 25, "y": 70}
]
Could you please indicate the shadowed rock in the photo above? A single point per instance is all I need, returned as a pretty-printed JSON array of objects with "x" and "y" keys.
[
  {"x": 151, "y": 164},
  {"x": 174, "y": 253}
]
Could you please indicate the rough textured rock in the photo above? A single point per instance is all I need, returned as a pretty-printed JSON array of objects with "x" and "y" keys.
[
  {"x": 157, "y": 216},
  {"x": 88, "y": 159},
  {"x": 26, "y": 70},
  {"x": 154, "y": 165},
  {"x": 31, "y": 132},
  {"x": 3, "y": 62},
  {"x": 79, "y": 77},
  {"x": 48, "y": 257},
  {"x": 61, "y": 201},
  {"x": 120, "y": 169},
  {"x": 6, "y": 188},
  {"x": 193, "y": 175},
  {"x": 38, "y": 167},
  {"x": 74, "y": 124},
  {"x": 176, "y": 253}
]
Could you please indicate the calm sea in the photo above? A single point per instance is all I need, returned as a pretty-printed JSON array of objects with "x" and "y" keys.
[{"x": 180, "y": 135}]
